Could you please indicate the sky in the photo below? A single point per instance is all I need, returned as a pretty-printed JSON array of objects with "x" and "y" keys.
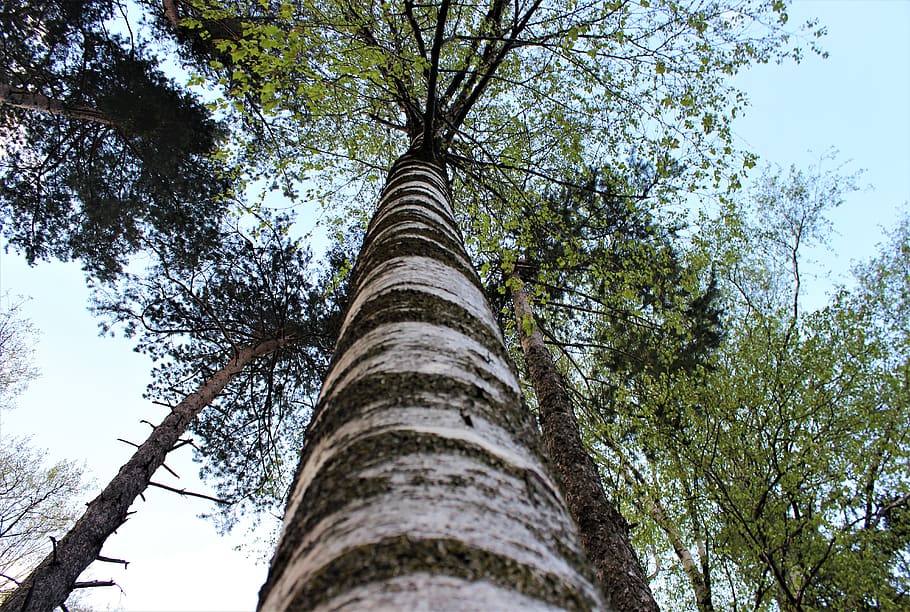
[{"x": 90, "y": 392}]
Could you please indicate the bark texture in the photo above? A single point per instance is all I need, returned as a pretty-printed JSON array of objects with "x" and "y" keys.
[
  {"x": 52, "y": 581},
  {"x": 604, "y": 532},
  {"x": 421, "y": 485}
]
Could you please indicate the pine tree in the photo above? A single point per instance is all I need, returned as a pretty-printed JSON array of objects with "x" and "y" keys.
[{"x": 101, "y": 149}]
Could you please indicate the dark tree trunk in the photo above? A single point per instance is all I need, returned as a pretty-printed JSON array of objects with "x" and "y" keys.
[
  {"x": 604, "y": 532},
  {"x": 20, "y": 98},
  {"x": 421, "y": 484},
  {"x": 51, "y": 582}
]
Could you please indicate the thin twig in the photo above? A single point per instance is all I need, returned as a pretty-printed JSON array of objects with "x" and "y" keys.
[
  {"x": 184, "y": 492},
  {"x": 182, "y": 443},
  {"x": 172, "y": 472},
  {"x": 112, "y": 560}
]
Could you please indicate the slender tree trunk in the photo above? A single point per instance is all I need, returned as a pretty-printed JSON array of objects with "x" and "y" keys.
[
  {"x": 604, "y": 532},
  {"x": 20, "y": 98},
  {"x": 421, "y": 485},
  {"x": 700, "y": 586},
  {"x": 51, "y": 582}
]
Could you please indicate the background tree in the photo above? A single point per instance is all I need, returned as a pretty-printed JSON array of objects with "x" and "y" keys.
[
  {"x": 227, "y": 326},
  {"x": 17, "y": 340},
  {"x": 37, "y": 503},
  {"x": 778, "y": 451},
  {"x": 259, "y": 284},
  {"x": 100, "y": 148},
  {"x": 587, "y": 251}
]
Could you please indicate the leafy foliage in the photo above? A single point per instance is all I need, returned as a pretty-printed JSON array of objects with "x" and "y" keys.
[
  {"x": 788, "y": 451},
  {"x": 17, "y": 339},
  {"x": 36, "y": 502},
  {"x": 505, "y": 91},
  {"x": 612, "y": 286}
]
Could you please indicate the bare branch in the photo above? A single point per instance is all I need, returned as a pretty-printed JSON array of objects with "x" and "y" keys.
[
  {"x": 172, "y": 472},
  {"x": 112, "y": 560},
  {"x": 186, "y": 493},
  {"x": 94, "y": 583}
]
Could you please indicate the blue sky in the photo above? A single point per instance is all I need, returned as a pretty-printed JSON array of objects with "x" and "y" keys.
[
  {"x": 90, "y": 392},
  {"x": 857, "y": 101}
]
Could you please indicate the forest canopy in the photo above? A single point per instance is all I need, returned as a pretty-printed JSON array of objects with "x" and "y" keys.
[{"x": 750, "y": 451}]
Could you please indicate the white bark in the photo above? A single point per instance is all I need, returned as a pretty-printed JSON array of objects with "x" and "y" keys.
[
  {"x": 422, "y": 484},
  {"x": 431, "y": 593}
]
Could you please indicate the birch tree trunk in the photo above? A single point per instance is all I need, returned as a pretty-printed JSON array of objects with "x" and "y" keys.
[
  {"x": 604, "y": 532},
  {"x": 421, "y": 485},
  {"x": 658, "y": 513},
  {"x": 51, "y": 582}
]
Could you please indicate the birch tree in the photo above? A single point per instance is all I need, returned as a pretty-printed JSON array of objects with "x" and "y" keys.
[
  {"x": 520, "y": 91},
  {"x": 448, "y": 500}
]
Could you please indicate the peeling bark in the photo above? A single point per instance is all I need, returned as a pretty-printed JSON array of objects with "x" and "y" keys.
[
  {"x": 421, "y": 484},
  {"x": 604, "y": 532},
  {"x": 51, "y": 582}
]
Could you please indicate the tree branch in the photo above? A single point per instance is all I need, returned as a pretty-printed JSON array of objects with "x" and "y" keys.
[
  {"x": 429, "y": 120},
  {"x": 186, "y": 493}
]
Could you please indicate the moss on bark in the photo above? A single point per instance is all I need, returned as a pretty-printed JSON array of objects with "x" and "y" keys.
[{"x": 403, "y": 555}]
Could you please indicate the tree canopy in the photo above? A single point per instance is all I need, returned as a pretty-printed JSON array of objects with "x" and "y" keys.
[
  {"x": 512, "y": 92},
  {"x": 258, "y": 285},
  {"x": 783, "y": 457},
  {"x": 101, "y": 149}
]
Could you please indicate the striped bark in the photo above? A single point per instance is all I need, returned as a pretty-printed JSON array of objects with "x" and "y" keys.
[
  {"x": 51, "y": 582},
  {"x": 604, "y": 532},
  {"x": 421, "y": 485}
]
